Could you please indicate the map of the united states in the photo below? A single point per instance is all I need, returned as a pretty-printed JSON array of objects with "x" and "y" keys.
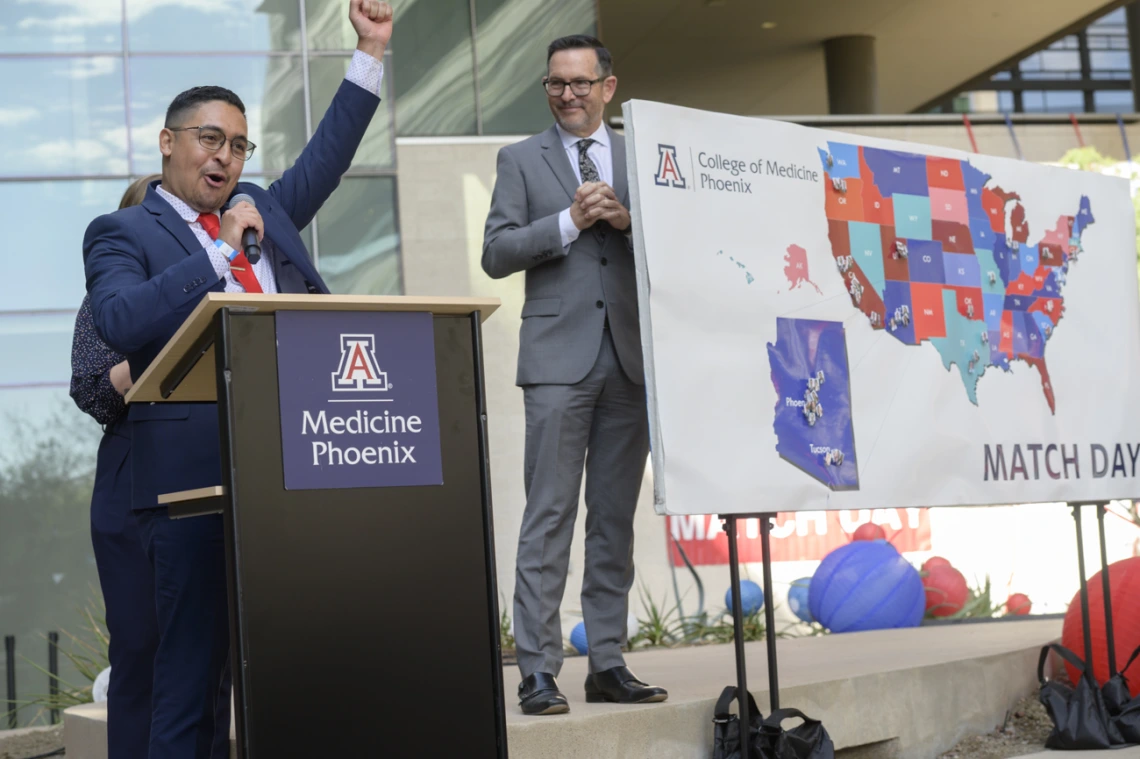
[{"x": 926, "y": 254}]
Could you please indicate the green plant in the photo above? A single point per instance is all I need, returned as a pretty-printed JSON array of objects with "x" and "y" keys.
[
  {"x": 979, "y": 603},
  {"x": 752, "y": 626},
  {"x": 47, "y": 466},
  {"x": 661, "y": 627},
  {"x": 697, "y": 628},
  {"x": 667, "y": 627},
  {"x": 506, "y": 640},
  {"x": 1088, "y": 158}
]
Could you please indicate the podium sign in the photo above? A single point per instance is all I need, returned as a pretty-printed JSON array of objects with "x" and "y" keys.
[
  {"x": 358, "y": 400},
  {"x": 347, "y": 424}
]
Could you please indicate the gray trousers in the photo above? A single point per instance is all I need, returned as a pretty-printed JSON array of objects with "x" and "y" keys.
[{"x": 605, "y": 414}]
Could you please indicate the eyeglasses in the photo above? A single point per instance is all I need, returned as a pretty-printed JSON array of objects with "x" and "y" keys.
[
  {"x": 212, "y": 139},
  {"x": 580, "y": 87}
]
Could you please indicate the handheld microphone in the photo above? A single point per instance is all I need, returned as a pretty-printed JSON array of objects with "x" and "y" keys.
[{"x": 249, "y": 244}]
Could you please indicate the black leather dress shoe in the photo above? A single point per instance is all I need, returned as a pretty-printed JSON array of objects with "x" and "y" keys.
[
  {"x": 539, "y": 694},
  {"x": 620, "y": 686}
]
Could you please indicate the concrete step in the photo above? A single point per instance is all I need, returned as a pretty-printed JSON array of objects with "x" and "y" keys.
[
  {"x": 1132, "y": 752},
  {"x": 30, "y": 741},
  {"x": 890, "y": 693}
]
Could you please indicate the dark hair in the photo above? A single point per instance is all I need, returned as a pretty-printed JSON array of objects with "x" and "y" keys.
[
  {"x": 583, "y": 42},
  {"x": 194, "y": 97}
]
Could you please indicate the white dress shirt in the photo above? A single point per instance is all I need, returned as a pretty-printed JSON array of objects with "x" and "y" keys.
[
  {"x": 263, "y": 269},
  {"x": 601, "y": 153},
  {"x": 364, "y": 71}
]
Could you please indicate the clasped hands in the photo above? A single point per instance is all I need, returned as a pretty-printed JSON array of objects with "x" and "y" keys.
[{"x": 596, "y": 201}]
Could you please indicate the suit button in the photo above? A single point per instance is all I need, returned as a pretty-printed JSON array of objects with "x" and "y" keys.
[
  {"x": 599, "y": 304},
  {"x": 186, "y": 288},
  {"x": 604, "y": 262}
]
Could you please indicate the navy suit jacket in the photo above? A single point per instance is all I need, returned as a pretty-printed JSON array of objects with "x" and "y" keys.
[{"x": 146, "y": 272}]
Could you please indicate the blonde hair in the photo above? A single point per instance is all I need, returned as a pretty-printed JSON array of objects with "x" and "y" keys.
[{"x": 137, "y": 191}]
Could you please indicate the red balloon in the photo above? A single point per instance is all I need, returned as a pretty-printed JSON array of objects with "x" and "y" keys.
[
  {"x": 935, "y": 561},
  {"x": 1124, "y": 582},
  {"x": 1018, "y": 604},
  {"x": 946, "y": 590},
  {"x": 868, "y": 531}
]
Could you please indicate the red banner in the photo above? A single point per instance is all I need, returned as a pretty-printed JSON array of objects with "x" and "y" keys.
[{"x": 796, "y": 536}]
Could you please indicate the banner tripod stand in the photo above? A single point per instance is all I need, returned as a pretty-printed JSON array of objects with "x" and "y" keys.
[
  {"x": 730, "y": 529},
  {"x": 1110, "y": 637}
]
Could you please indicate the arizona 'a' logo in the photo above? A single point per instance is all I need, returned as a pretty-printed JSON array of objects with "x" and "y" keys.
[
  {"x": 357, "y": 369},
  {"x": 668, "y": 172}
]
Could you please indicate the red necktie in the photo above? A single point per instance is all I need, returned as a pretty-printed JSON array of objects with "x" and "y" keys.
[{"x": 240, "y": 266}]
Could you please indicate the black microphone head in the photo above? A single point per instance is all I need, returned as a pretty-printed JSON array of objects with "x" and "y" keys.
[
  {"x": 241, "y": 196},
  {"x": 249, "y": 243}
]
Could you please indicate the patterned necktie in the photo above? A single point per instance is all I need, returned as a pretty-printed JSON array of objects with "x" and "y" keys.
[
  {"x": 240, "y": 265},
  {"x": 585, "y": 165}
]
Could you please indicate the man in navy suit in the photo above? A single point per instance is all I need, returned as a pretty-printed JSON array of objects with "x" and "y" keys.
[{"x": 147, "y": 268}]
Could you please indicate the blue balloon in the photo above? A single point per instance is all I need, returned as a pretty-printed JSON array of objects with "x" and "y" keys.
[
  {"x": 798, "y": 599},
  {"x": 751, "y": 597},
  {"x": 578, "y": 638},
  {"x": 866, "y": 585}
]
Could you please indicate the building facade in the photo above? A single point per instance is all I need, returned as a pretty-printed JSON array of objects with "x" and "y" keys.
[
  {"x": 1087, "y": 71},
  {"x": 85, "y": 88}
]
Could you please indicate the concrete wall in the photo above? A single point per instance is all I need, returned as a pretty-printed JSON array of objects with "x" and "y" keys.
[{"x": 445, "y": 190}]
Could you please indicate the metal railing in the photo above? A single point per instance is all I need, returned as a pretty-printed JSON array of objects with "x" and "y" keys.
[{"x": 12, "y": 704}]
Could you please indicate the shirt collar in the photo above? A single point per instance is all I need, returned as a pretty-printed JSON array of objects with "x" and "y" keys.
[
  {"x": 188, "y": 214},
  {"x": 600, "y": 136}
]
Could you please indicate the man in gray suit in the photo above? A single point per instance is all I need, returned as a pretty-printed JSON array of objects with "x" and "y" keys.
[{"x": 560, "y": 212}]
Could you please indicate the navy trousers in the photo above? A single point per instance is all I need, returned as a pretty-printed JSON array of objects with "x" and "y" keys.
[
  {"x": 127, "y": 583},
  {"x": 191, "y": 701}
]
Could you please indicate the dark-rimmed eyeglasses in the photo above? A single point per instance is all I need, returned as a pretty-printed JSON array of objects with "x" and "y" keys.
[
  {"x": 212, "y": 139},
  {"x": 580, "y": 87}
]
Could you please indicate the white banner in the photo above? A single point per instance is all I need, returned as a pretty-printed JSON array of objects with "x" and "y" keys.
[{"x": 832, "y": 321}]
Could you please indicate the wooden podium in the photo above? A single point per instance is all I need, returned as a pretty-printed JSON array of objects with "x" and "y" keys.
[{"x": 364, "y": 616}]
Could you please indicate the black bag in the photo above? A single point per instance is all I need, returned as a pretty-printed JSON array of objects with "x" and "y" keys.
[
  {"x": 1123, "y": 710},
  {"x": 805, "y": 741},
  {"x": 1128, "y": 721},
  {"x": 767, "y": 738},
  {"x": 726, "y": 726},
  {"x": 1080, "y": 717}
]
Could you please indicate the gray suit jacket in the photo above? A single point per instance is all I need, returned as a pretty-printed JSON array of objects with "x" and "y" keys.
[{"x": 569, "y": 293}]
